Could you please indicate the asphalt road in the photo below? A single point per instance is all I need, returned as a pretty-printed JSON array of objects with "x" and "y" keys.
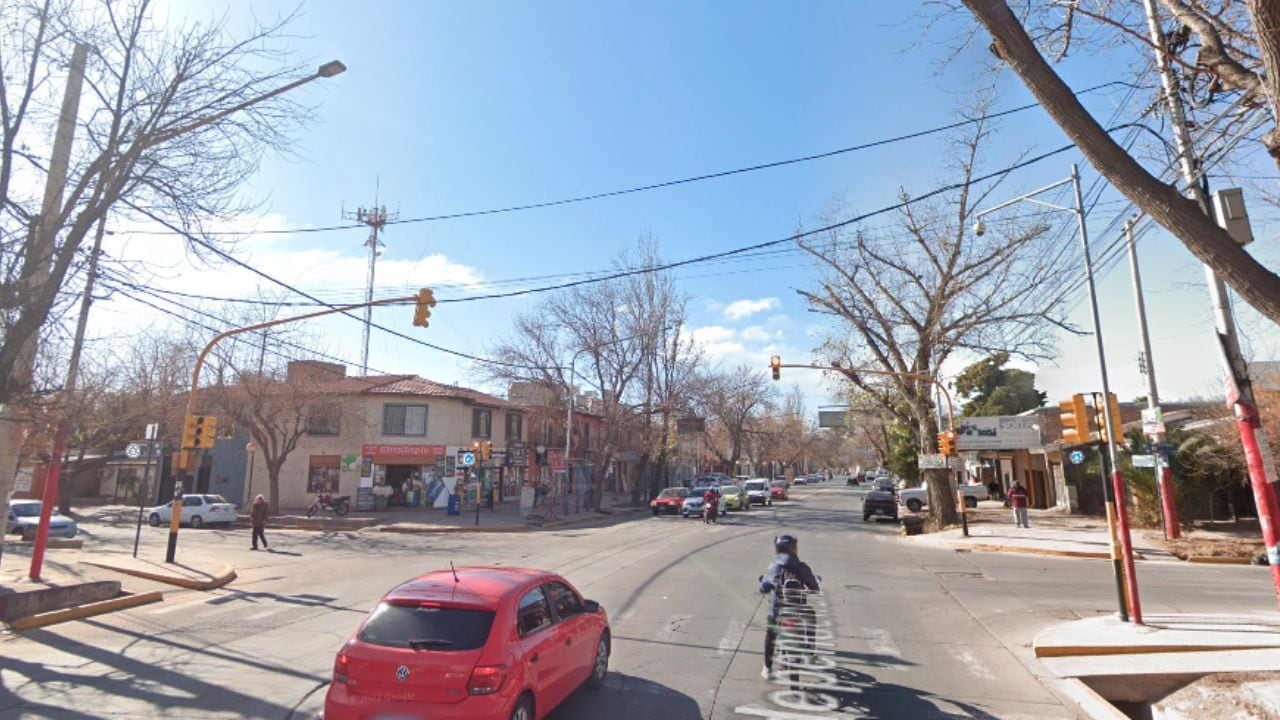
[{"x": 920, "y": 632}]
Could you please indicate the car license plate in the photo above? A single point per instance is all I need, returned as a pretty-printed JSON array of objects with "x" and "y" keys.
[{"x": 878, "y": 511}]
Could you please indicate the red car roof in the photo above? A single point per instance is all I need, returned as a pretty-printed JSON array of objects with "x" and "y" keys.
[{"x": 473, "y": 585}]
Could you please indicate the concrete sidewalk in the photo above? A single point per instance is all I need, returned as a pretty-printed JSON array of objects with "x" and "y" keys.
[
  {"x": 1083, "y": 537},
  {"x": 1178, "y": 666}
]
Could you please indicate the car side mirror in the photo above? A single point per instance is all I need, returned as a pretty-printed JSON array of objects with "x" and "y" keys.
[{"x": 591, "y": 606}]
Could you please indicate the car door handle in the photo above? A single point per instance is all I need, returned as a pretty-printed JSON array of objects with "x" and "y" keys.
[
  {"x": 568, "y": 641},
  {"x": 534, "y": 659}
]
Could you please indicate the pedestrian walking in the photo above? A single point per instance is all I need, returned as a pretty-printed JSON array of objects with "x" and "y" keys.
[
  {"x": 1018, "y": 499},
  {"x": 258, "y": 518}
]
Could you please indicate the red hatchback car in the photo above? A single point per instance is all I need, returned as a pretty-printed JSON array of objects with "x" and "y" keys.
[
  {"x": 778, "y": 490},
  {"x": 474, "y": 643}
]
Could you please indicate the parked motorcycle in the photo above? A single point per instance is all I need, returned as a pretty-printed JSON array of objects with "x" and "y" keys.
[{"x": 340, "y": 505}]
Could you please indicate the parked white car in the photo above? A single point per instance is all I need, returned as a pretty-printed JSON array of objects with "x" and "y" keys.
[
  {"x": 197, "y": 511},
  {"x": 917, "y": 498},
  {"x": 24, "y": 518},
  {"x": 758, "y": 491}
]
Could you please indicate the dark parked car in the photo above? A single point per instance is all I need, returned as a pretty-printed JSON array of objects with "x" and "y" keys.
[{"x": 879, "y": 504}]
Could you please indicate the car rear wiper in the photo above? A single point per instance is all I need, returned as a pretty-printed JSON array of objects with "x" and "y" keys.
[{"x": 429, "y": 643}]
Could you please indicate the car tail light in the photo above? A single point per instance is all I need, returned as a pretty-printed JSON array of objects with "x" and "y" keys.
[
  {"x": 487, "y": 679},
  {"x": 340, "y": 669}
]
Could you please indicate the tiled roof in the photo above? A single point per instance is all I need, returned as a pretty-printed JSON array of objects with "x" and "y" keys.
[{"x": 414, "y": 385}]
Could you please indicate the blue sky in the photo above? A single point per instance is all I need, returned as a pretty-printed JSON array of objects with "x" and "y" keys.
[{"x": 451, "y": 107}]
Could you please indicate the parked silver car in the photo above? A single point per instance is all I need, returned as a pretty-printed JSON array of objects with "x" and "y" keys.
[{"x": 24, "y": 518}]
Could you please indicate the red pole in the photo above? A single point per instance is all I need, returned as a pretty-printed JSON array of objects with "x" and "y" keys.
[
  {"x": 1126, "y": 545},
  {"x": 48, "y": 500},
  {"x": 1172, "y": 527},
  {"x": 1264, "y": 493}
]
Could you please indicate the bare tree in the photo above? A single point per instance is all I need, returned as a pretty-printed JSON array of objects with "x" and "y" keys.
[
  {"x": 907, "y": 303},
  {"x": 627, "y": 336},
  {"x": 732, "y": 401},
  {"x": 1237, "y": 53}
]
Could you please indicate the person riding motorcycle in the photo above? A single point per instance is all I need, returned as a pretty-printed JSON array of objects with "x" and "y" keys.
[
  {"x": 784, "y": 572},
  {"x": 710, "y": 505}
]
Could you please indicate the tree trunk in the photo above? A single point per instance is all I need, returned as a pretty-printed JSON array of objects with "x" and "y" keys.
[
  {"x": 1182, "y": 217},
  {"x": 942, "y": 497},
  {"x": 273, "y": 485}
]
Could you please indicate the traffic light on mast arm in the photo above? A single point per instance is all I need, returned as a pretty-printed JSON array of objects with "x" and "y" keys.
[
  {"x": 1075, "y": 420},
  {"x": 486, "y": 450},
  {"x": 422, "y": 307},
  {"x": 199, "y": 431},
  {"x": 1113, "y": 410},
  {"x": 947, "y": 443},
  {"x": 775, "y": 362}
]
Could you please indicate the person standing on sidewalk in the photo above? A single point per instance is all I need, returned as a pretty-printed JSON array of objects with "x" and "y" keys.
[
  {"x": 1018, "y": 499},
  {"x": 258, "y": 518}
]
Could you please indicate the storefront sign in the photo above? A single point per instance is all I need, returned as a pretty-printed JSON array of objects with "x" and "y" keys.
[
  {"x": 1002, "y": 432},
  {"x": 402, "y": 450}
]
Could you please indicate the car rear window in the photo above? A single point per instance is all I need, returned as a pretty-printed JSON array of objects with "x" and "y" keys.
[
  {"x": 673, "y": 493},
  {"x": 756, "y": 485},
  {"x": 394, "y": 625}
]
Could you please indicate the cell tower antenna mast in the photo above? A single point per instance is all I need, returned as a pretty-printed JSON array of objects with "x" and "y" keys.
[{"x": 376, "y": 217}]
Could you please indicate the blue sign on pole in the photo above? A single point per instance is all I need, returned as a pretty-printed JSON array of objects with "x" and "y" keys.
[
  {"x": 1077, "y": 457},
  {"x": 467, "y": 459},
  {"x": 1166, "y": 448}
]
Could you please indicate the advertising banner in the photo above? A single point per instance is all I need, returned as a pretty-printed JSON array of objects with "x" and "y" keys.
[{"x": 1001, "y": 432}]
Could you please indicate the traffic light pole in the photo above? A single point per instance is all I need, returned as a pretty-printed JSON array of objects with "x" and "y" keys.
[
  {"x": 183, "y": 467},
  {"x": 1116, "y": 501}
]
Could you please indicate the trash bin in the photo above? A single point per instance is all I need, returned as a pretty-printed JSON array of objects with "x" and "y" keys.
[{"x": 455, "y": 505}]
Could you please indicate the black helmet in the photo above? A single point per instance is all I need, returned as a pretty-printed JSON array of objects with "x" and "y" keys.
[{"x": 785, "y": 543}]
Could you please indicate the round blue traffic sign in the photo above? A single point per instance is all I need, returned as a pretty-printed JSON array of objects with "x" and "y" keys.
[
  {"x": 468, "y": 459},
  {"x": 1077, "y": 457}
]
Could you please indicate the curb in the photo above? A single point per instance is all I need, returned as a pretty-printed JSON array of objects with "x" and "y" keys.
[
  {"x": 1053, "y": 651},
  {"x": 83, "y": 611},
  {"x": 227, "y": 574},
  {"x": 1040, "y": 551},
  {"x": 1088, "y": 701},
  {"x": 447, "y": 529},
  {"x": 1216, "y": 560}
]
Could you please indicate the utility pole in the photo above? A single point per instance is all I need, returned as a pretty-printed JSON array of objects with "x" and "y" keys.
[
  {"x": 1164, "y": 476},
  {"x": 1240, "y": 388},
  {"x": 376, "y": 218},
  {"x": 40, "y": 247}
]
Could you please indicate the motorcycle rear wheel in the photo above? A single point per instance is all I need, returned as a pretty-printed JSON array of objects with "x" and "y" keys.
[{"x": 342, "y": 508}]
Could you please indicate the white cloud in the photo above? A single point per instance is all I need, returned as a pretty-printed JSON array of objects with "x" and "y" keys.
[
  {"x": 739, "y": 309},
  {"x": 756, "y": 333}
]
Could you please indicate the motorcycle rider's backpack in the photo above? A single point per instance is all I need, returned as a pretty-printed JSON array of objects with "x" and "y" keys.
[{"x": 790, "y": 589}]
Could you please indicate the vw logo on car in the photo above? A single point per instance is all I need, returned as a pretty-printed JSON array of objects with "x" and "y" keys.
[{"x": 402, "y": 673}]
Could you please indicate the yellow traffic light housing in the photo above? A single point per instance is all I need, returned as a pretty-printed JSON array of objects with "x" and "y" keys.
[
  {"x": 199, "y": 431},
  {"x": 486, "y": 450},
  {"x": 775, "y": 362},
  {"x": 1075, "y": 420},
  {"x": 422, "y": 307},
  {"x": 947, "y": 443},
  {"x": 1112, "y": 419}
]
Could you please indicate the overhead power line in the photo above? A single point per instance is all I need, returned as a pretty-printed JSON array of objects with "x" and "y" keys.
[{"x": 664, "y": 184}]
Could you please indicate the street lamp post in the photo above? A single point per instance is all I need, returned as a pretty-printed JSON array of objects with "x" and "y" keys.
[
  {"x": 1117, "y": 509},
  {"x": 63, "y": 430},
  {"x": 248, "y": 493}
]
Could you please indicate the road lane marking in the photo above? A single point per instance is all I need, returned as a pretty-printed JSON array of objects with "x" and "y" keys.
[
  {"x": 732, "y": 637},
  {"x": 971, "y": 661},
  {"x": 178, "y": 606},
  {"x": 882, "y": 644}
]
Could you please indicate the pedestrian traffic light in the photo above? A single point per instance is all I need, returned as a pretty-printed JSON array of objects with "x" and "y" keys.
[
  {"x": 422, "y": 307},
  {"x": 486, "y": 450},
  {"x": 199, "y": 431},
  {"x": 775, "y": 362},
  {"x": 1113, "y": 411},
  {"x": 1075, "y": 420},
  {"x": 947, "y": 443}
]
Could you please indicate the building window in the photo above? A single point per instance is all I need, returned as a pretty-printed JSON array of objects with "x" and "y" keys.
[
  {"x": 586, "y": 435},
  {"x": 404, "y": 419},
  {"x": 481, "y": 423},
  {"x": 515, "y": 427},
  {"x": 546, "y": 432},
  {"x": 324, "y": 419},
  {"x": 323, "y": 474}
]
